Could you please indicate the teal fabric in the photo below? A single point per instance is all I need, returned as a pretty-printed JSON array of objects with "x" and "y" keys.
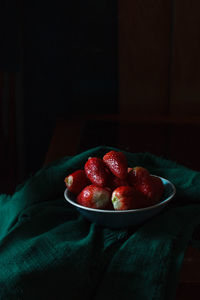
[{"x": 49, "y": 251}]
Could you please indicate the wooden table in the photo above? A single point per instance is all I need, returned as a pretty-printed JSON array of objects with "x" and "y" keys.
[{"x": 175, "y": 139}]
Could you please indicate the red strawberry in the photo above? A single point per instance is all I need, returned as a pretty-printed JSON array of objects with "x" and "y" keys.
[
  {"x": 117, "y": 163},
  {"x": 152, "y": 188},
  {"x": 126, "y": 197},
  {"x": 76, "y": 181},
  {"x": 115, "y": 182},
  {"x": 95, "y": 197},
  {"x": 95, "y": 170},
  {"x": 137, "y": 175},
  {"x": 159, "y": 187}
]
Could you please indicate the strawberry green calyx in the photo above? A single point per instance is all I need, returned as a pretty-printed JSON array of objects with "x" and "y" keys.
[
  {"x": 117, "y": 204},
  {"x": 114, "y": 198},
  {"x": 69, "y": 180}
]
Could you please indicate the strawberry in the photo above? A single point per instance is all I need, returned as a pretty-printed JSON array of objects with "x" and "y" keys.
[
  {"x": 137, "y": 175},
  {"x": 117, "y": 163},
  {"x": 126, "y": 197},
  {"x": 95, "y": 197},
  {"x": 76, "y": 181},
  {"x": 159, "y": 187},
  {"x": 115, "y": 182},
  {"x": 152, "y": 188},
  {"x": 95, "y": 170}
]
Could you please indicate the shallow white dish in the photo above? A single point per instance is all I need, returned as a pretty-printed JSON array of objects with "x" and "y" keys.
[{"x": 124, "y": 218}]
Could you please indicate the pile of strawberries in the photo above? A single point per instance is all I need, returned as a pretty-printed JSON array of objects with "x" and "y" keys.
[{"x": 109, "y": 183}]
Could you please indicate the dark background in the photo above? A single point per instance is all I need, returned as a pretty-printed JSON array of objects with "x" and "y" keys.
[
  {"x": 64, "y": 61},
  {"x": 136, "y": 61}
]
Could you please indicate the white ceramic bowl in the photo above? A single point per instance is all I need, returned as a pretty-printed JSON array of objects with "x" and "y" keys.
[{"x": 124, "y": 218}]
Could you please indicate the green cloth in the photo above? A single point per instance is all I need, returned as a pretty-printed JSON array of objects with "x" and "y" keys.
[{"x": 49, "y": 251}]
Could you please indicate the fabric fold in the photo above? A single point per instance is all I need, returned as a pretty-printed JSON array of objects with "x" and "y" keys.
[{"x": 49, "y": 251}]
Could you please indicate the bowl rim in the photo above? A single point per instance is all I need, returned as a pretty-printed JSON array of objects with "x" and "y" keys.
[{"x": 159, "y": 204}]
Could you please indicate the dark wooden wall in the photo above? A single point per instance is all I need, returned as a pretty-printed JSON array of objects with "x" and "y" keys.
[
  {"x": 159, "y": 64},
  {"x": 185, "y": 76}
]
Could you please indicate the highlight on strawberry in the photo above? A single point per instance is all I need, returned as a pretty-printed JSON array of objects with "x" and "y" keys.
[
  {"x": 96, "y": 171},
  {"x": 109, "y": 183},
  {"x": 95, "y": 197},
  {"x": 117, "y": 163}
]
